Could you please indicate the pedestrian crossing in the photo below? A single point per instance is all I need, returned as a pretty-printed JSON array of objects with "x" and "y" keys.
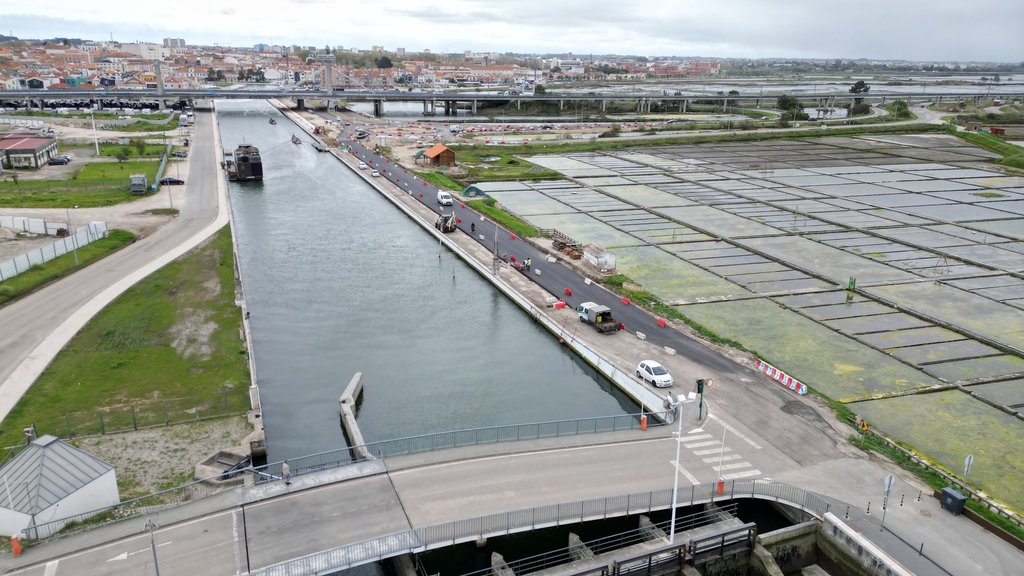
[{"x": 727, "y": 464}]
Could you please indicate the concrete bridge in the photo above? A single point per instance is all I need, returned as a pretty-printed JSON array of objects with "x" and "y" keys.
[{"x": 449, "y": 102}]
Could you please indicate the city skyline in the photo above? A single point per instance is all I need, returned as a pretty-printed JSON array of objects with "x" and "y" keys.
[{"x": 940, "y": 30}]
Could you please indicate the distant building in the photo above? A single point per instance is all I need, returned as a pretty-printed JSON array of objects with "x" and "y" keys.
[
  {"x": 174, "y": 42},
  {"x": 26, "y": 150},
  {"x": 50, "y": 480}
]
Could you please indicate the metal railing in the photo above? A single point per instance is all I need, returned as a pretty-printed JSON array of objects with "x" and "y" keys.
[
  {"x": 563, "y": 555},
  {"x": 463, "y": 438},
  {"x": 505, "y": 523}
]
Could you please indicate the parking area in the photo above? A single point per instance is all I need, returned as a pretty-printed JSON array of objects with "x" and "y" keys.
[{"x": 760, "y": 241}]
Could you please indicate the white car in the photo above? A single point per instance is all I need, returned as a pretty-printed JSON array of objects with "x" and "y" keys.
[
  {"x": 375, "y": 173},
  {"x": 363, "y": 166},
  {"x": 651, "y": 371}
]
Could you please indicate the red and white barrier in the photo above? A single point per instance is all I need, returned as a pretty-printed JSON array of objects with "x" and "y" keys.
[{"x": 781, "y": 377}]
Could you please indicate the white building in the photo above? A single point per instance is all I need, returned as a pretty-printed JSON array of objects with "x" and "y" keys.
[{"x": 52, "y": 480}]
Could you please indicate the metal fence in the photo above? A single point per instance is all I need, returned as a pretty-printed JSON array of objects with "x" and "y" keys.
[
  {"x": 83, "y": 236},
  {"x": 461, "y": 438},
  {"x": 149, "y": 414},
  {"x": 450, "y": 533},
  {"x": 31, "y": 225}
]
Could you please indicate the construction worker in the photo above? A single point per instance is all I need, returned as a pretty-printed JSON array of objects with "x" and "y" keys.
[{"x": 529, "y": 262}]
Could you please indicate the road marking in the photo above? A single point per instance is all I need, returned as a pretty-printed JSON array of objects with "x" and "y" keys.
[
  {"x": 696, "y": 431},
  {"x": 125, "y": 555},
  {"x": 722, "y": 458},
  {"x": 736, "y": 432},
  {"x": 698, "y": 437},
  {"x": 689, "y": 476},
  {"x": 51, "y": 568},
  {"x": 702, "y": 444},
  {"x": 732, "y": 466},
  {"x": 745, "y": 474},
  {"x": 710, "y": 451},
  {"x": 234, "y": 536}
]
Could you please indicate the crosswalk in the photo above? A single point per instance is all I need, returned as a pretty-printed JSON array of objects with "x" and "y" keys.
[{"x": 727, "y": 464}]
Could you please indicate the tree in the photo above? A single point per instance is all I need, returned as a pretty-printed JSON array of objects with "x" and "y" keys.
[
  {"x": 540, "y": 89},
  {"x": 786, "y": 102},
  {"x": 139, "y": 144},
  {"x": 383, "y": 62},
  {"x": 996, "y": 78},
  {"x": 123, "y": 154},
  {"x": 734, "y": 92},
  {"x": 555, "y": 70},
  {"x": 859, "y": 87}
]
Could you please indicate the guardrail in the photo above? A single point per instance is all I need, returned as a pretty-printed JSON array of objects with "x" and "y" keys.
[
  {"x": 462, "y": 438},
  {"x": 505, "y": 523}
]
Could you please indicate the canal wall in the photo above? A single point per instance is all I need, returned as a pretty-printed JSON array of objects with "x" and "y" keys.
[{"x": 647, "y": 399}]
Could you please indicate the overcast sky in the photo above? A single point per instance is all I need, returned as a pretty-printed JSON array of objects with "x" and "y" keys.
[{"x": 963, "y": 30}]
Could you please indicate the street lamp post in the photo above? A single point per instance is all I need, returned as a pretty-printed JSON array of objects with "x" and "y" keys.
[
  {"x": 678, "y": 405},
  {"x": 74, "y": 237},
  {"x": 151, "y": 526}
]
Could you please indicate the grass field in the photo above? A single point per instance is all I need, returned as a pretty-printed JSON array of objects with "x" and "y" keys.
[
  {"x": 99, "y": 184},
  {"x": 42, "y": 274},
  {"x": 167, "y": 349},
  {"x": 112, "y": 150}
]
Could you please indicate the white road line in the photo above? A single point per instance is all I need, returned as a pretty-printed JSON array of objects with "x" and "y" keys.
[
  {"x": 234, "y": 538},
  {"x": 51, "y": 568},
  {"x": 689, "y": 476},
  {"x": 735, "y": 431},
  {"x": 732, "y": 466},
  {"x": 697, "y": 437},
  {"x": 710, "y": 451},
  {"x": 744, "y": 474},
  {"x": 695, "y": 431},
  {"x": 714, "y": 459},
  {"x": 702, "y": 444}
]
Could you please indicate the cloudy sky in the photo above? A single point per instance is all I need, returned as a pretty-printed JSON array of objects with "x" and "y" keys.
[{"x": 974, "y": 30}]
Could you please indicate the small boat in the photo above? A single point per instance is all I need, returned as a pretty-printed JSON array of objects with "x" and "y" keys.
[
  {"x": 246, "y": 164},
  {"x": 273, "y": 121},
  {"x": 295, "y": 139}
]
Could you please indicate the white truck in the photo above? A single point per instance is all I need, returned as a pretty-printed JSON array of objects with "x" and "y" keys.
[{"x": 600, "y": 317}]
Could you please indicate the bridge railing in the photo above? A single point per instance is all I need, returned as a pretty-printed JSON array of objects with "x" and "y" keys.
[
  {"x": 504, "y": 523},
  {"x": 461, "y": 438}
]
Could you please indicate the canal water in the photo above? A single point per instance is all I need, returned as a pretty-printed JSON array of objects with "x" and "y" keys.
[{"x": 338, "y": 281}]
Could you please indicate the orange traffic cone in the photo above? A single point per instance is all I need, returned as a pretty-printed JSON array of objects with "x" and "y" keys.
[{"x": 16, "y": 546}]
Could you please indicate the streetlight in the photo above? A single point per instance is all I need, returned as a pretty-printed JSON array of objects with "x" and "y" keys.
[
  {"x": 678, "y": 405},
  {"x": 74, "y": 238},
  {"x": 151, "y": 526}
]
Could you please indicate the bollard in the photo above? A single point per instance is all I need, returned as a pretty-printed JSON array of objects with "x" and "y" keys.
[
  {"x": 920, "y": 551},
  {"x": 901, "y": 500},
  {"x": 847, "y": 511},
  {"x": 919, "y": 496},
  {"x": 720, "y": 487},
  {"x": 643, "y": 422},
  {"x": 869, "y": 509}
]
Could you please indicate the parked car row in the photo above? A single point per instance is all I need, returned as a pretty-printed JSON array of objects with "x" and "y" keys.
[
  {"x": 168, "y": 181},
  {"x": 61, "y": 160}
]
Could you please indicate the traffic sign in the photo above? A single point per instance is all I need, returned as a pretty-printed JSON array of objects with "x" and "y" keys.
[{"x": 888, "y": 483}]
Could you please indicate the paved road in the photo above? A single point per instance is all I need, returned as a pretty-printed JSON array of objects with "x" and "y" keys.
[{"x": 47, "y": 319}]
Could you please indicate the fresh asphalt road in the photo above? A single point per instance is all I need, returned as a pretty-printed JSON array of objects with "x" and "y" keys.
[
  {"x": 555, "y": 277},
  {"x": 47, "y": 319}
]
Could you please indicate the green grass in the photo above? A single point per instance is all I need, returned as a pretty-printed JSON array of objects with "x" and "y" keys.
[
  {"x": 506, "y": 167},
  {"x": 98, "y": 184},
  {"x": 477, "y": 151},
  {"x": 151, "y": 150},
  {"x": 99, "y": 115},
  {"x": 441, "y": 180},
  {"x": 1012, "y": 154},
  {"x": 507, "y": 220},
  {"x": 42, "y": 274},
  {"x": 129, "y": 361}
]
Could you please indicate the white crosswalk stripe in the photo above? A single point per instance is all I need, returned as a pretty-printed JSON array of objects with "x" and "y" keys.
[
  {"x": 702, "y": 444},
  {"x": 744, "y": 474},
  {"x": 732, "y": 466},
  {"x": 713, "y": 459},
  {"x": 696, "y": 437},
  {"x": 710, "y": 451}
]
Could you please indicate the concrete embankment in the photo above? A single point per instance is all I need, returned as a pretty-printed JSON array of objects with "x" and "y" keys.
[
  {"x": 347, "y": 409},
  {"x": 612, "y": 356}
]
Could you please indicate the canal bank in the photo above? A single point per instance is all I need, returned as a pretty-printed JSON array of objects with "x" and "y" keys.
[{"x": 614, "y": 356}]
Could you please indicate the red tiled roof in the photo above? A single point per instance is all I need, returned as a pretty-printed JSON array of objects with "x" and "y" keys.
[{"x": 22, "y": 142}]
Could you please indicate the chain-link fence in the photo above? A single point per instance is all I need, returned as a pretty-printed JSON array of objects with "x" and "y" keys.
[{"x": 143, "y": 414}]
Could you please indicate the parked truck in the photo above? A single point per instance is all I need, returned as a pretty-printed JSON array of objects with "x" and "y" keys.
[
  {"x": 599, "y": 316},
  {"x": 138, "y": 184}
]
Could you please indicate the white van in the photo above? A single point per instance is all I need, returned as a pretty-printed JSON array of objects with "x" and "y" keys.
[{"x": 444, "y": 198}]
